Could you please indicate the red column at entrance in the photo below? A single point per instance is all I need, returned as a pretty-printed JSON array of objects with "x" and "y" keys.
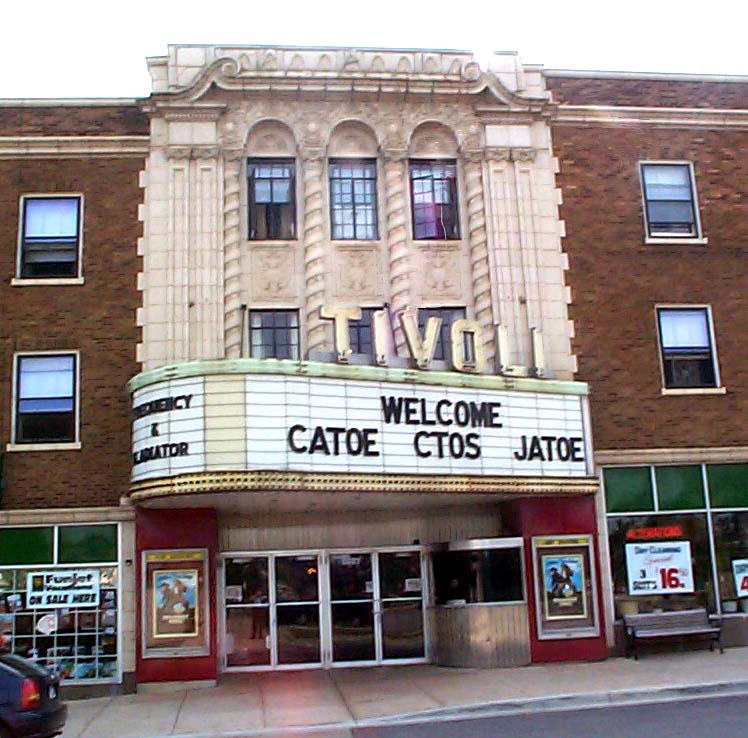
[
  {"x": 556, "y": 516},
  {"x": 164, "y": 530}
]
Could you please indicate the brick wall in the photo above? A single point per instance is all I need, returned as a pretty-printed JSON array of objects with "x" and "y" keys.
[
  {"x": 97, "y": 318},
  {"x": 125, "y": 120},
  {"x": 616, "y": 281},
  {"x": 648, "y": 92}
]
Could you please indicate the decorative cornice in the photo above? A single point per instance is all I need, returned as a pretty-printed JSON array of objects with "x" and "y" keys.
[
  {"x": 193, "y": 152},
  {"x": 614, "y": 115},
  {"x": 13, "y": 147},
  {"x": 290, "y": 482},
  {"x": 695, "y": 455},
  {"x": 346, "y": 71},
  {"x": 503, "y": 153},
  {"x": 343, "y": 372},
  {"x": 68, "y": 515}
]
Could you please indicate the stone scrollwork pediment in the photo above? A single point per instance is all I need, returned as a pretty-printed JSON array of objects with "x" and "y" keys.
[{"x": 346, "y": 70}]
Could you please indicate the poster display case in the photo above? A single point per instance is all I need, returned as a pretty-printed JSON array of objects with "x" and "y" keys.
[
  {"x": 565, "y": 589},
  {"x": 175, "y": 609}
]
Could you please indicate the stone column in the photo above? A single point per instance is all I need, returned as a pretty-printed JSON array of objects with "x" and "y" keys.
[
  {"x": 232, "y": 238},
  {"x": 314, "y": 246},
  {"x": 478, "y": 245},
  {"x": 396, "y": 203}
]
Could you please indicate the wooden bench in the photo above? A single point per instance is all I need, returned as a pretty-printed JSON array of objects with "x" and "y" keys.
[{"x": 677, "y": 623}]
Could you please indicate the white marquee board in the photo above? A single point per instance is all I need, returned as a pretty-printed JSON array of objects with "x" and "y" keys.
[{"x": 331, "y": 425}]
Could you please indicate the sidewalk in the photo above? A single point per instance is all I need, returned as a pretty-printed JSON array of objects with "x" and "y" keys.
[{"x": 341, "y": 699}]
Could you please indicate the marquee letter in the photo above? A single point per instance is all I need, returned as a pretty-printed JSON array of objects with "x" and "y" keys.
[
  {"x": 421, "y": 349},
  {"x": 341, "y": 316},
  {"x": 461, "y": 332}
]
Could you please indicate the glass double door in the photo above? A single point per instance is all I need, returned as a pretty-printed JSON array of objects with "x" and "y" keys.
[{"x": 323, "y": 608}]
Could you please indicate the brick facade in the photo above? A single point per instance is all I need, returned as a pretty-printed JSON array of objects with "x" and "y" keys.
[
  {"x": 96, "y": 318},
  {"x": 616, "y": 279},
  {"x": 662, "y": 93},
  {"x": 104, "y": 120}
]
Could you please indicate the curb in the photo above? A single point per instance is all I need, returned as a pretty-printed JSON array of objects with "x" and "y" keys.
[{"x": 556, "y": 703}]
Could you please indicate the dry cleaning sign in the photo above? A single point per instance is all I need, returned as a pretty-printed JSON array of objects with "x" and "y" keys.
[{"x": 70, "y": 588}]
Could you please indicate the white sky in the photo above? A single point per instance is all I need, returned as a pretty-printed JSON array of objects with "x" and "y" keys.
[{"x": 79, "y": 48}]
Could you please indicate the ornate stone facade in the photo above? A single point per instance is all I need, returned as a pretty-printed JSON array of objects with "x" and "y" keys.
[{"x": 213, "y": 108}]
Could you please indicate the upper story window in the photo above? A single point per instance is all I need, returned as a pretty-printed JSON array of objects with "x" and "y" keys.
[
  {"x": 50, "y": 237},
  {"x": 353, "y": 199},
  {"x": 448, "y": 316},
  {"x": 670, "y": 206},
  {"x": 688, "y": 356},
  {"x": 361, "y": 332},
  {"x": 433, "y": 190},
  {"x": 274, "y": 334},
  {"x": 46, "y": 406},
  {"x": 272, "y": 199}
]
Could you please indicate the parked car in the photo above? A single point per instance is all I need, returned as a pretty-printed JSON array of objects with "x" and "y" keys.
[{"x": 30, "y": 704}]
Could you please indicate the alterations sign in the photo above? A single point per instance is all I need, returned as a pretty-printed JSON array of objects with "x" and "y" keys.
[
  {"x": 58, "y": 588},
  {"x": 740, "y": 573},
  {"x": 659, "y": 568}
]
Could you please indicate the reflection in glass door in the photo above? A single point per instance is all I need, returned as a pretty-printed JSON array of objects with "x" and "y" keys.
[
  {"x": 400, "y": 584},
  {"x": 247, "y": 611},
  {"x": 297, "y": 609},
  {"x": 352, "y": 607},
  {"x": 319, "y": 608}
]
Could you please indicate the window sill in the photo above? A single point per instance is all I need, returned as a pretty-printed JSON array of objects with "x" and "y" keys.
[
  {"x": 51, "y": 282},
  {"x": 363, "y": 243},
  {"x": 67, "y": 446},
  {"x": 695, "y": 391},
  {"x": 273, "y": 242},
  {"x": 673, "y": 240}
]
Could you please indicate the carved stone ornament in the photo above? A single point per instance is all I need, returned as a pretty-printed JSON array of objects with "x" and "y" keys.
[
  {"x": 441, "y": 272},
  {"x": 358, "y": 272},
  {"x": 271, "y": 273},
  {"x": 193, "y": 152}
]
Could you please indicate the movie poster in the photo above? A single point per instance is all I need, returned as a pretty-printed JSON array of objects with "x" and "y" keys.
[
  {"x": 176, "y": 603},
  {"x": 564, "y": 587},
  {"x": 175, "y": 595},
  {"x": 565, "y": 591}
]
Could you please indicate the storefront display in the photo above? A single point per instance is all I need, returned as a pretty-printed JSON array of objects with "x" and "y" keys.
[
  {"x": 175, "y": 607},
  {"x": 64, "y": 618},
  {"x": 564, "y": 587},
  {"x": 692, "y": 522}
]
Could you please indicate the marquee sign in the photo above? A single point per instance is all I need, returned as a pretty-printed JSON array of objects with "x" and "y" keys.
[{"x": 320, "y": 424}]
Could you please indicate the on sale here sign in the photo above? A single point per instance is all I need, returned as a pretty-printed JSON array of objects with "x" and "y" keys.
[{"x": 659, "y": 568}]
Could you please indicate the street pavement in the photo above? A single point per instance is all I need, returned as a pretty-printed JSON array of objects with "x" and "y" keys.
[
  {"x": 340, "y": 703},
  {"x": 701, "y": 718}
]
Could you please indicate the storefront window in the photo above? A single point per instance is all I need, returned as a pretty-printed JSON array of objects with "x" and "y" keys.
[
  {"x": 651, "y": 530},
  {"x": 731, "y": 546},
  {"x": 478, "y": 576},
  {"x": 61, "y": 613}
]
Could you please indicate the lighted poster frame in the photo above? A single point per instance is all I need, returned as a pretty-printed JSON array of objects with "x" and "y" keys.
[
  {"x": 565, "y": 587},
  {"x": 175, "y": 603}
]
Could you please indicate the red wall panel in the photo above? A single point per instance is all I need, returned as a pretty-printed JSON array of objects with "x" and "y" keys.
[
  {"x": 166, "y": 529},
  {"x": 549, "y": 516}
]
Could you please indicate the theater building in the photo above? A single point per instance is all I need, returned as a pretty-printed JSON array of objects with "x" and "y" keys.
[
  {"x": 69, "y": 195},
  {"x": 356, "y": 437},
  {"x": 655, "y": 200}
]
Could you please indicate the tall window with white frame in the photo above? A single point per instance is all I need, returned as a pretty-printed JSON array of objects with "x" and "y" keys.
[
  {"x": 353, "y": 199},
  {"x": 46, "y": 398},
  {"x": 274, "y": 334},
  {"x": 688, "y": 356},
  {"x": 670, "y": 208},
  {"x": 433, "y": 191},
  {"x": 50, "y": 237},
  {"x": 271, "y": 199}
]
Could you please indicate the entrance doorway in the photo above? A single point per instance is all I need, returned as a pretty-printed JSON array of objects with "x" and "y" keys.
[{"x": 323, "y": 608}]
